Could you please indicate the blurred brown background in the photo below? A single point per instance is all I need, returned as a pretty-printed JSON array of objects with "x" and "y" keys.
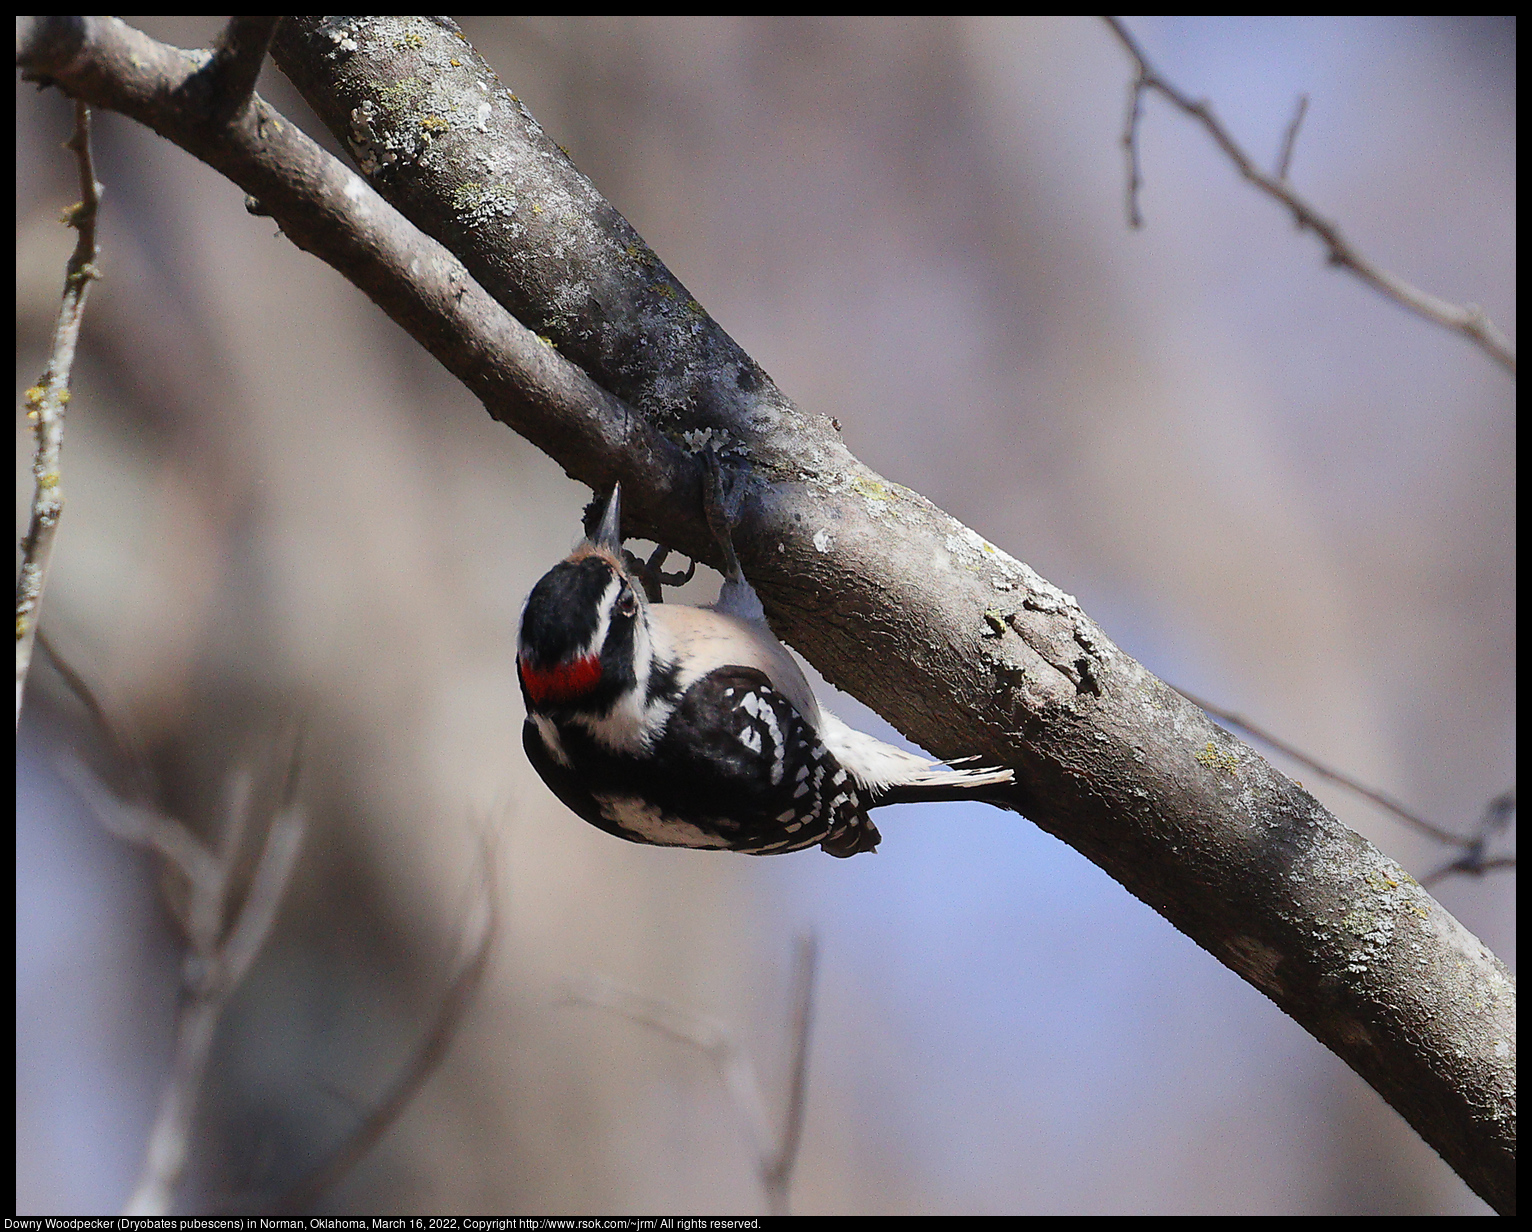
[{"x": 1272, "y": 487}]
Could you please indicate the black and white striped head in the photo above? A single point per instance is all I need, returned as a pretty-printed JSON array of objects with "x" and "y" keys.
[{"x": 584, "y": 642}]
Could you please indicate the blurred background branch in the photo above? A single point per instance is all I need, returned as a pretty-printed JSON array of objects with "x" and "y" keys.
[
  {"x": 775, "y": 1152},
  {"x": 226, "y": 913},
  {"x": 224, "y": 925},
  {"x": 1469, "y": 320},
  {"x": 478, "y": 940}
]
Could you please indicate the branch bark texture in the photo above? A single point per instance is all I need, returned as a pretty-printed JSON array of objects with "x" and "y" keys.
[
  {"x": 856, "y": 572},
  {"x": 45, "y": 409}
]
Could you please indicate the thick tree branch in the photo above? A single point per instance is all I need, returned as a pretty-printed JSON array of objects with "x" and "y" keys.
[
  {"x": 328, "y": 211},
  {"x": 858, "y": 573}
]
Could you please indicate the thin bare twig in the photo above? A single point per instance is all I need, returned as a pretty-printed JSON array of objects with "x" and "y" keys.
[
  {"x": 777, "y": 1177},
  {"x": 212, "y": 972},
  {"x": 46, "y": 401},
  {"x": 1469, "y": 864},
  {"x": 127, "y": 751},
  {"x": 1474, "y": 860},
  {"x": 775, "y": 1154},
  {"x": 1130, "y": 147},
  {"x": 1468, "y": 319},
  {"x": 478, "y": 940},
  {"x": 144, "y": 826},
  {"x": 279, "y": 855},
  {"x": 1290, "y": 141},
  {"x": 692, "y": 1027}
]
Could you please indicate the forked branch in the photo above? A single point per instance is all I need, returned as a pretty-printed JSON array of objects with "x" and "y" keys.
[{"x": 1467, "y": 319}]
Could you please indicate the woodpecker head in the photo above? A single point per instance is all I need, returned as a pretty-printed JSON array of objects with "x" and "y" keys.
[{"x": 584, "y": 640}]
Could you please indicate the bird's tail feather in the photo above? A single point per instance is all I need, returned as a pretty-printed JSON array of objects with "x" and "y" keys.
[
  {"x": 989, "y": 784},
  {"x": 893, "y": 776}
]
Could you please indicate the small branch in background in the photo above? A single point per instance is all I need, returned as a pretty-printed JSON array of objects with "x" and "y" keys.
[
  {"x": 1472, "y": 860},
  {"x": 478, "y": 940},
  {"x": 1290, "y": 141},
  {"x": 218, "y": 956},
  {"x": 144, "y": 826},
  {"x": 127, "y": 750},
  {"x": 1467, "y": 319},
  {"x": 237, "y": 58},
  {"x": 1130, "y": 147},
  {"x": 46, "y": 401},
  {"x": 777, "y": 1170},
  {"x": 775, "y": 1154}
]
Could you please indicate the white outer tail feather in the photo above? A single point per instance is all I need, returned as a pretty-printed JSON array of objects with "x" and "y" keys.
[{"x": 877, "y": 766}]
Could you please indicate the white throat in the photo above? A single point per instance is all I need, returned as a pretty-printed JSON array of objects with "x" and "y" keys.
[{"x": 634, "y": 721}]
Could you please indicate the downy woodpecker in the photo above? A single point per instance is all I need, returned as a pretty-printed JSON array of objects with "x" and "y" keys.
[{"x": 693, "y": 727}]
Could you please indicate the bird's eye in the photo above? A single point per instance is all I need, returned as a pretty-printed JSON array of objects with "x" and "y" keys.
[{"x": 627, "y": 603}]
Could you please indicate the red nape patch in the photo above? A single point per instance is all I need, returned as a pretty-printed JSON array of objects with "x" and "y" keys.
[{"x": 562, "y": 682}]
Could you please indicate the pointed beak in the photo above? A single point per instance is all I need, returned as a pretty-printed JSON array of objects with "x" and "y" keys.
[{"x": 609, "y": 533}]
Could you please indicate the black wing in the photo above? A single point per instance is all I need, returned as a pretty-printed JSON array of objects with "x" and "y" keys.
[{"x": 733, "y": 737}]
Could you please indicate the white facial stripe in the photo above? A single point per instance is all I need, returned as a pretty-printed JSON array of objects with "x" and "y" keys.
[
  {"x": 603, "y": 618},
  {"x": 635, "y": 720}
]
